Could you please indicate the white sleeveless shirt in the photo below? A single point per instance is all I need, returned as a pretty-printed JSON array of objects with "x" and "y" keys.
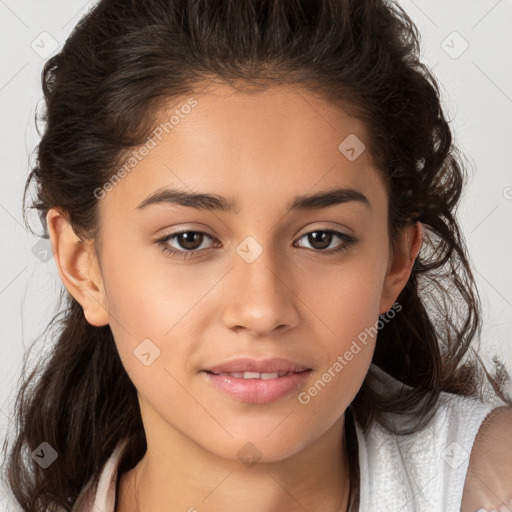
[
  {"x": 424, "y": 471},
  {"x": 421, "y": 472}
]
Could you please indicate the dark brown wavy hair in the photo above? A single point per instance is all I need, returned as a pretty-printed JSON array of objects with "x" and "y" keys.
[{"x": 123, "y": 61}]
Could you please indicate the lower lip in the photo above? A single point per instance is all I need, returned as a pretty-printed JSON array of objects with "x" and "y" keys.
[{"x": 257, "y": 391}]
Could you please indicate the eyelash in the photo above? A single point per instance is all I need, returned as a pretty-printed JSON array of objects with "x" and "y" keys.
[{"x": 348, "y": 241}]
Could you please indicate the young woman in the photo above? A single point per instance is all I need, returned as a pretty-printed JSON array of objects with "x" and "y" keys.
[{"x": 269, "y": 305}]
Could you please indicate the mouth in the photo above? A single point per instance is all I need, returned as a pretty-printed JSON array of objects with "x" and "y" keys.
[
  {"x": 257, "y": 375},
  {"x": 257, "y": 387},
  {"x": 255, "y": 368}
]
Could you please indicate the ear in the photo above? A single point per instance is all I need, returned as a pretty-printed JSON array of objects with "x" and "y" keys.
[
  {"x": 78, "y": 268},
  {"x": 399, "y": 269}
]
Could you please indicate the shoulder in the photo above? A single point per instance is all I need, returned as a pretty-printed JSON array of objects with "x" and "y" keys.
[
  {"x": 488, "y": 481},
  {"x": 434, "y": 458}
]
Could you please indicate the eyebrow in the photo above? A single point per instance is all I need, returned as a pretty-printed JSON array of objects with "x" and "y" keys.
[{"x": 213, "y": 202}]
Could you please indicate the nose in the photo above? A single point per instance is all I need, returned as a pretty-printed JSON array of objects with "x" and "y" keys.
[{"x": 262, "y": 298}]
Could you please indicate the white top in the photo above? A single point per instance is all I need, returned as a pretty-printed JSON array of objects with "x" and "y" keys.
[{"x": 422, "y": 472}]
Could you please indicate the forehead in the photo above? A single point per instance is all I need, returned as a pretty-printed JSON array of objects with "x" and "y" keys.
[{"x": 255, "y": 147}]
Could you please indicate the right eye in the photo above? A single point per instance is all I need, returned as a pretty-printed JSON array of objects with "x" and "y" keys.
[{"x": 187, "y": 239}]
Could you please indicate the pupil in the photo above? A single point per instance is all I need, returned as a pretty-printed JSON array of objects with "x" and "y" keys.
[
  {"x": 188, "y": 242},
  {"x": 323, "y": 234}
]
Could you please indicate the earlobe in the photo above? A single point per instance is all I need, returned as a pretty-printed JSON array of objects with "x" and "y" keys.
[
  {"x": 400, "y": 267},
  {"x": 78, "y": 268}
]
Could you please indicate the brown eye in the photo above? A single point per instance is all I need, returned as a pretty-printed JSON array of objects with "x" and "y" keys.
[
  {"x": 189, "y": 243},
  {"x": 189, "y": 239},
  {"x": 321, "y": 239}
]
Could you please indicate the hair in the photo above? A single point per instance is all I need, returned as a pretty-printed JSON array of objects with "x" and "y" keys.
[{"x": 126, "y": 60}]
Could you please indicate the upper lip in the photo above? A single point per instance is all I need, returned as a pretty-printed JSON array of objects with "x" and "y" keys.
[{"x": 245, "y": 364}]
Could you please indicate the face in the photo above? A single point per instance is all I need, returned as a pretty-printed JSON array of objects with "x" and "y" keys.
[{"x": 261, "y": 280}]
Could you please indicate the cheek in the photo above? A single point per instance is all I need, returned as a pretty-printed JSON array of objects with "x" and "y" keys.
[
  {"x": 356, "y": 305},
  {"x": 346, "y": 300},
  {"x": 347, "y": 311},
  {"x": 147, "y": 294},
  {"x": 346, "y": 296},
  {"x": 156, "y": 302}
]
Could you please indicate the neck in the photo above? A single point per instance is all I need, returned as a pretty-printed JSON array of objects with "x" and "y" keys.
[{"x": 315, "y": 478}]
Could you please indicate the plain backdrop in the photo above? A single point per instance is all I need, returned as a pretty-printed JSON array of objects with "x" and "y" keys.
[{"x": 467, "y": 44}]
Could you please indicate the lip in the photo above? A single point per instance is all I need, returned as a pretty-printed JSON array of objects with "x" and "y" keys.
[
  {"x": 257, "y": 391},
  {"x": 246, "y": 364},
  {"x": 254, "y": 390}
]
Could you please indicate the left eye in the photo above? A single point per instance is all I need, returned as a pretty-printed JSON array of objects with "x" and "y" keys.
[
  {"x": 191, "y": 241},
  {"x": 325, "y": 236}
]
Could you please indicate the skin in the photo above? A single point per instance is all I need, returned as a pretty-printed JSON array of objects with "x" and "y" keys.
[
  {"x": 293, "y": 301},
  {"x": 489, "y": 478}
]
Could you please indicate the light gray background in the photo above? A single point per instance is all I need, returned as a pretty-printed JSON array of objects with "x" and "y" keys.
[{"x": 477, "y": 93}]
